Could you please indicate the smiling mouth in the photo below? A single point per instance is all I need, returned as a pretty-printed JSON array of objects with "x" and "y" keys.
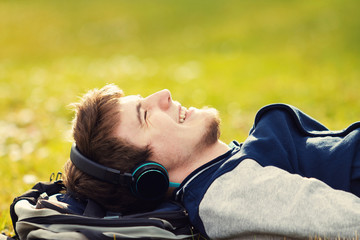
[{"x": 182, "y": 114}]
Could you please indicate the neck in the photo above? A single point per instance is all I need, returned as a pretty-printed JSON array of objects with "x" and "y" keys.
[{"x": 198, "y": 159}]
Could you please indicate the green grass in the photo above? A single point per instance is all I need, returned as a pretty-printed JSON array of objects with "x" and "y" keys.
[{"x": 234, "y": 55}]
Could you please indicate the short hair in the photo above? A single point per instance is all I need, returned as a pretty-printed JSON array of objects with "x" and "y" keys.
[{"x": 97, "y": 115}]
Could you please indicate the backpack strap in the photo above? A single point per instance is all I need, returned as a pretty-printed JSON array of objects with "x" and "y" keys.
[{"x": 58, "y": 206}]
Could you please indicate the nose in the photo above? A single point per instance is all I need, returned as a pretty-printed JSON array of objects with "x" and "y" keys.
[{"x": 161, "y": 98}]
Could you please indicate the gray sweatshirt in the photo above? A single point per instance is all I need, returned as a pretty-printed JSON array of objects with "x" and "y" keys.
[{"x": 266, "y": 202}]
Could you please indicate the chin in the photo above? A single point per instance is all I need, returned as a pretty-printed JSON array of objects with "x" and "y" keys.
[{"x": 212, "y": 130}]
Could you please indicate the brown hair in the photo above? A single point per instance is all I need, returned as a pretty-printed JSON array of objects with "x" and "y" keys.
[{"x": 97, "y": 116}]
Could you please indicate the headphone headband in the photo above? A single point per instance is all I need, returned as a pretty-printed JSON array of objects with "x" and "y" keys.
[{"x": 98, "y": 171}]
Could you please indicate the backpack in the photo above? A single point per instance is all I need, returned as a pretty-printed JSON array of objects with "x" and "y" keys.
[{"x": 45, "y": 212}]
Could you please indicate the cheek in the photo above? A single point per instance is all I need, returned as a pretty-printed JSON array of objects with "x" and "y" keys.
[
  {"x": 163, "y": 127},
  {"x": 166, "y": 145},
  {"x": 164, "y": 139},
  {"x": 167, "y": 137}
]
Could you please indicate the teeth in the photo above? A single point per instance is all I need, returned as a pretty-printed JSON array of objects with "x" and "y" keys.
[{"x": 182, "y": 114}]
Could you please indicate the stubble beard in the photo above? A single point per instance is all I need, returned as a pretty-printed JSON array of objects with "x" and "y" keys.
[{"x": 212, "y": 132}]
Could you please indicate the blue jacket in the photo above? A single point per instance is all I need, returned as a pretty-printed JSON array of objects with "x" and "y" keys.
[{"x": 288, "y": 149}]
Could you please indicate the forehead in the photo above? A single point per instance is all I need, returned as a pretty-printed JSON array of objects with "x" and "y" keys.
[
  {"x": 128, "y": 108},
  {"x": 129, "y": 124},
  {"x": 129, "y": 99}
]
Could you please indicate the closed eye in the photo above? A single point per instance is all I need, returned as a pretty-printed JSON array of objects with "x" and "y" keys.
[{"x": 145, "y": 115}]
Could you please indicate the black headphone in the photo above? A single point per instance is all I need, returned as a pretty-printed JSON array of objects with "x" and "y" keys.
[{"x": 148, "y": 180}]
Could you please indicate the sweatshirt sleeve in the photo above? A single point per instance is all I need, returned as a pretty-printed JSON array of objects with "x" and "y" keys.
[{"x": 266, "y": 202}]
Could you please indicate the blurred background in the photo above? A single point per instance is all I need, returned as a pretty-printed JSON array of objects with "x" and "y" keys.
[{"x": 236, "y": 56}]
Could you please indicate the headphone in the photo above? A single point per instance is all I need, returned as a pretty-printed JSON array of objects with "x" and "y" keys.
[{"x": 148, "y": 180}]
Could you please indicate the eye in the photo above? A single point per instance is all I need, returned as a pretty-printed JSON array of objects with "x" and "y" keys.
[{"x": 145, "y": 115}]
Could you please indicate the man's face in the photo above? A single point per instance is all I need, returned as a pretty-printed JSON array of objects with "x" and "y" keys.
[{"x": 174, "y": 133}]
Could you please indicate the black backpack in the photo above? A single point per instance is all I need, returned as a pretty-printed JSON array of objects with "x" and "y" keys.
[{"x": 39, "y": 214}]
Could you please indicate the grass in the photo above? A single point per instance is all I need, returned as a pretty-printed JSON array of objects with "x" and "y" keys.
[{"x": 234, "y": 55}]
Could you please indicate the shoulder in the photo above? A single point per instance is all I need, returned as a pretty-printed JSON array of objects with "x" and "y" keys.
[{"x": 280, "y": 114}]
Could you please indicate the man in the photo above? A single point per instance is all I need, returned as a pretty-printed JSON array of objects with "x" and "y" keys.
[{"x": 291, "y": 176}]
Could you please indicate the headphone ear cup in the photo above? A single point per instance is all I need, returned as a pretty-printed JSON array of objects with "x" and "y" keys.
[{"x": 150, "y": 181}]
